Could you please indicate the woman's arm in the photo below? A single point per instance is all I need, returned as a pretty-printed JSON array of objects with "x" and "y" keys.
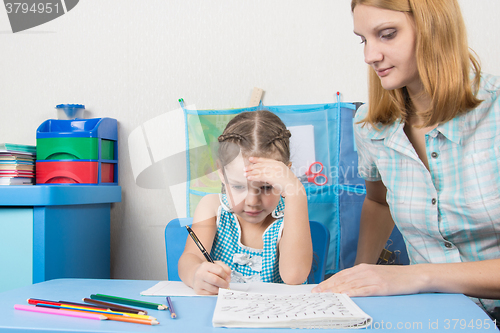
[
  {"x": 295, "y": 246},
  {"x": 194, "y": 270},
  {"x": 475, "y": 279},
  {"x": 376, "y": 224}
]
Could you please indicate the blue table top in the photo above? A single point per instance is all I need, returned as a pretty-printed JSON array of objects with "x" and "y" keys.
[
  {"x": 422, "y": 313},
  {"x": 54, "y": 195}
]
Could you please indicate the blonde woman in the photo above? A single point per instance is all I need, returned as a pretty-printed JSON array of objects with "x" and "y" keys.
[{"x": 429, "y": 150}]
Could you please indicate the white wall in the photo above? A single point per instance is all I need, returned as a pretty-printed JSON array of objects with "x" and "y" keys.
[{"x": 132, "y": 60}]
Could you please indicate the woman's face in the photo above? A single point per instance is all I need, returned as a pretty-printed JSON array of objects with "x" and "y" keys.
[{"x": 389, "y": 40}]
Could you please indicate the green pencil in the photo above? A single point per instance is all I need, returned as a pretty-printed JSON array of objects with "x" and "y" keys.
[{"x": 128, "y": 301}]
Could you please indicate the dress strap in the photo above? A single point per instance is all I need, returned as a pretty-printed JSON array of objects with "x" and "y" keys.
[
  {"x": 224, "y": 202},
  {"x": 279, "y": 211}
]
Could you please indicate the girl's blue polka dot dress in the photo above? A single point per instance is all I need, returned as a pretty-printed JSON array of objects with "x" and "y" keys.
[{"x": 248, "y": 264}]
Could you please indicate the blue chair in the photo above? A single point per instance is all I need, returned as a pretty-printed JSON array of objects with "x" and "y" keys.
[
  {"x": 320, "y": 237},
  {"x": 175, "y": 240},
  {"x": 176, "y": 235}
]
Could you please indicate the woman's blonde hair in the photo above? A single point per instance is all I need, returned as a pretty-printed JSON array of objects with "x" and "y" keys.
[{"x": 444, "y": 61}]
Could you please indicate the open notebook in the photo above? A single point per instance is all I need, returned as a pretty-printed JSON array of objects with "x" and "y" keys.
[{"x": 325, "y": 310}]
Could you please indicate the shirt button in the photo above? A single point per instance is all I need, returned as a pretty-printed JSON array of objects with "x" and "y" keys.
[
  {"x": 434, "y": 201},
  {"x": 448, "y": 245},
  {"x": 434, "y": 154}
]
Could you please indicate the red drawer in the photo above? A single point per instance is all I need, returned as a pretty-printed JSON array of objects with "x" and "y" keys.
[{"x": 66, "y": 172}]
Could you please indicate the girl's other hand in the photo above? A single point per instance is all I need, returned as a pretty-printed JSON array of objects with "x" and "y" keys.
[
  {"x": 275, "y": 173},
  {"x": 209, "y": 277}
]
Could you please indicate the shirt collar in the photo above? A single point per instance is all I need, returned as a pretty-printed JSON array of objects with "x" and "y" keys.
[
  {"x": 378, "y": 132},
  {"x": 452, "y": 130}
]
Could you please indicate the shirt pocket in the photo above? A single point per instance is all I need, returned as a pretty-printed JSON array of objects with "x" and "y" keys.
[{"x": 481, "y": 176}]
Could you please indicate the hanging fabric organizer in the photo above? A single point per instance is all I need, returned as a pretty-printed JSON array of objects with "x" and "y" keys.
[{"x": 329, "y": 128}]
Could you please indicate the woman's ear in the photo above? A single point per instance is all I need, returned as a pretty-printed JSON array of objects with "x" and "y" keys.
[{"x": 289, "y": 165}]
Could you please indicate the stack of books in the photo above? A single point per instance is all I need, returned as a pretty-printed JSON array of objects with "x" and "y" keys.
[{"x": 17, "y": 164}]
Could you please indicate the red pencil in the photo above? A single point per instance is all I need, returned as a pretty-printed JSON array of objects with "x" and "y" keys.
[{"x": 35, "y": 301}]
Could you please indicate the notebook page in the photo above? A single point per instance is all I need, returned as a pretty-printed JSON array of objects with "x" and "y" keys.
[{"x": 178, "y": 288}]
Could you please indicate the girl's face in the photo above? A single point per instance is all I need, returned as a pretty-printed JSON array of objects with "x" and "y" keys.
[
  {"x": 389, "y": 39},
  {"x": 250, "y": 200}
]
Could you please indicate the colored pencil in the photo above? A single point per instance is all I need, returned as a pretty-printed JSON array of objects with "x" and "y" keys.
[
  {"x": 82, "y": 314},
  {"x": 35, "y": 301},
  {"x": 102, "y": 311},
  {"x": 131, "y": 320},
  {"x": 128, "y": 301},
  {"x": 199, "y": 244},
  {"x": 171, "y": 308},
  {"x": 78, "y": 314},
  {"x": 115, "y": 307}
]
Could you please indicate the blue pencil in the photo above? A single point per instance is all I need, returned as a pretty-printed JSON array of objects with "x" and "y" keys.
[{"x": 171, "y": 307}]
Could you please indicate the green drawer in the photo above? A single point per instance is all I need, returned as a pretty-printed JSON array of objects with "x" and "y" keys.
[
  {"x": 107, "y": 149},
  {"x": 67, "y": 149}
]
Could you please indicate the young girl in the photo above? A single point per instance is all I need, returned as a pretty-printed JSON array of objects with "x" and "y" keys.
[
  {"x": 428, "y": 145},
  {"x": 244, "y": 228}
]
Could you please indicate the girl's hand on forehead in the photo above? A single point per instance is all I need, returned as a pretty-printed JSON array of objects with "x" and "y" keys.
[{"x": 273, "y": 172}]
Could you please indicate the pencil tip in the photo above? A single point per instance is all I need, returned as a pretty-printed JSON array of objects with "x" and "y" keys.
[
  {"x": 162, "y": 307},
  {"x": 173, "y": 315},
  {"x": 154, "y": 322}
]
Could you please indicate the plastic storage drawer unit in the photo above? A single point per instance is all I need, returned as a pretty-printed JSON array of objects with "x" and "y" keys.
[{"x": 77, "y": 151}]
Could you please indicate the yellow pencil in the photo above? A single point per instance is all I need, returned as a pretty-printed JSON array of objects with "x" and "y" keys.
[
  {"x": 131, "y": 320},
  {"x": 81, "y": 308}
]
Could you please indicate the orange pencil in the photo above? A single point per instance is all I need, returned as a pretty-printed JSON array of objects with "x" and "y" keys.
[{"x": 131, "y": 320}]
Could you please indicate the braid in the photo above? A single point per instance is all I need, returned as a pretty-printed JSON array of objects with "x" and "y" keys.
[
  {"x": 234, "y": 136},
  {"x": 285, "y": 134},
  {"x": 254, "y": 133}
]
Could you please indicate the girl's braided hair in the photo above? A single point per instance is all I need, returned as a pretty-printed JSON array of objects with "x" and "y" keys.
[{"x": 255, "y": 133}]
